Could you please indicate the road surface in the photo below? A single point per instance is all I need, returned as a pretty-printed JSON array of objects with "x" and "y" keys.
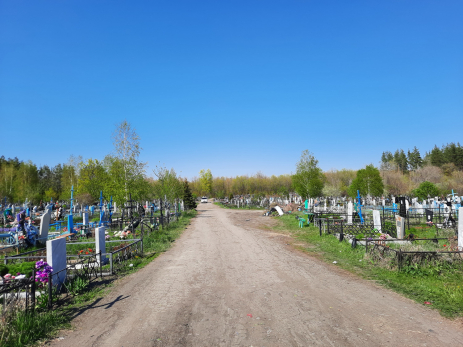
[{"x": 225, "y": 282}]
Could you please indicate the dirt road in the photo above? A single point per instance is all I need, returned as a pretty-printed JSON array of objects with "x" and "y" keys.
[{"x": 227, "y": 283}]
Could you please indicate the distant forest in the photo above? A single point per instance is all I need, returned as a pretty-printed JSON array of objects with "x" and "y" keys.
[{"x": 401, "y": 173}]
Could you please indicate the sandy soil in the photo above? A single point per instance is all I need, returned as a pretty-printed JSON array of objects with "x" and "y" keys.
[{"x": 226, "y": 282}]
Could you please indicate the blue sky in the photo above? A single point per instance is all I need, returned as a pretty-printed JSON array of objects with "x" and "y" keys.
[{"x": 234, "y": 86}]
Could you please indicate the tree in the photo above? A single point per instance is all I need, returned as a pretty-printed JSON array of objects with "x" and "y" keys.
[
  {"x": 167, "y": 186},
  {"x": 92, "y": 178},
  {"x": 436, "y": 157},
  {"x": 367, "y": 182},
  {"x": 205, "y": 177},
  {"x": 401, "y": 160},
  {"x": 188, "y": 198},
  {"x": 425, "y": 190},
  {"x": 69, "y": 176},
  {"x": 127, "y": 150},
  {"x": 308, "y": 180},
  {"x": 414, "y": 159},
  {"x": 387, "y": 161}
]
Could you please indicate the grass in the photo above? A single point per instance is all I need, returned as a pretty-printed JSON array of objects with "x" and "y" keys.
[
  {"x": 440, "y": 284},
  {"x": 22, "y": 329},
  {"x": 241, "y": 208}
]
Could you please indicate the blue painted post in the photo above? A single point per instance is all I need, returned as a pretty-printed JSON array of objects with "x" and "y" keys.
[
  {"x": 360, "y": 207},
  {"x": 101, "y": 209},
  {"x": 70, "y": 219}
]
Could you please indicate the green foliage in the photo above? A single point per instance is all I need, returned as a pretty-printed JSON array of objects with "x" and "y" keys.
[
  {"x": 401, "y": 160},
  {"x": 438, "y": 283},
  {"x": 92, "y": 178},
  {"x": 368, "y": 182},
  {"x": 126, "y": 170},
  {"x": 188, "y": 198},
  {"x": 426, "y": 189},
  {"x": 168, "y": 184},
  {"x": 205, "y": 177},
  {"x": 24, "y": 328},
  {"x": 308, "y": 180},
  {"x": 414, "y": 159}
]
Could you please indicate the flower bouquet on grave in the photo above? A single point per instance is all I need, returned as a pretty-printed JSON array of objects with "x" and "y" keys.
[{"x": 43, "y": 271}]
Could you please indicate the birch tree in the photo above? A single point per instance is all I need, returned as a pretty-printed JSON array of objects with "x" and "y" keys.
[{"x": 127, "y": 150}]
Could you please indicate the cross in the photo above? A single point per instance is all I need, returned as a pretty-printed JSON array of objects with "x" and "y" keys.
[{"x": 360, "y": 207}]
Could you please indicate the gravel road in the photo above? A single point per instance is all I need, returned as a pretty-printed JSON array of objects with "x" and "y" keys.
[{"x": 226, "y": 282}]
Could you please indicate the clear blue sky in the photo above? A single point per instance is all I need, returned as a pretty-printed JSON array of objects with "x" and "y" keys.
[{"x": 234, "y": 86}]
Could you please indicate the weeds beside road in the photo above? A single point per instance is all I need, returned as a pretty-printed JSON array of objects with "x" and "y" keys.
[
  {"x": 437, "y": 286},
  {"x": 22, "y": 329}
]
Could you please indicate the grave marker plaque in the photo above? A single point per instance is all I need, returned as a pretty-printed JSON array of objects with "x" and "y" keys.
[
  {"x": 400, "y": 224},
  {"x": 56, "y": 258},
  {"x": 377, "y": 220}
]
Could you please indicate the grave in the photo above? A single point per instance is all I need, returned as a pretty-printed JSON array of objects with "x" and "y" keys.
[
  {"x": 85, "y": 218},
  {"x": 56, "y": 258},
  {"x": 350, "y": 211},
  {"x": 377, "y": 220},
  {"x": 100, "y": 244},
  {"x": 400, "y": 224},
  {"x": 460, "y": 229},
  {"x": 44, "y": 226}
]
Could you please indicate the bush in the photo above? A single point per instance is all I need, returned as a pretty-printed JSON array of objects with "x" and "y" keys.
[{"x": 425, "y": 190}]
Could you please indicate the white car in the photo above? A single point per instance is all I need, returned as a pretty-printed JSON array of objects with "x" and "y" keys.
[{"x": 204, "y": 199}]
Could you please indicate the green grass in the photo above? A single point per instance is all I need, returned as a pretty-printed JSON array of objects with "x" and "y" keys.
[
  {"x": 438, "y": 283},
  {"x": 21, "y": 329},
  {"x": 233, "y": 207}
]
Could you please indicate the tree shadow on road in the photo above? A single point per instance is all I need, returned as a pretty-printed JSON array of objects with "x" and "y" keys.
[{"x": 78, "y": 311}]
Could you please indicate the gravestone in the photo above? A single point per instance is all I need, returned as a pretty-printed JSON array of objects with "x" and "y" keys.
[
  {"x": 460, "y": 229},
  {"x": 350, "y": 210},
  {"x": 100, "y": 244},
  {"x": 279, "y": 210},
  {"x": 85, "y": 218},
  {"x": 377, "y": 220},
  {"x": 44, "y": 226},
  {"x": 407, "y": 205},
  {"x": 400, "y": 224},
  {"x": 56, "y": 258}
]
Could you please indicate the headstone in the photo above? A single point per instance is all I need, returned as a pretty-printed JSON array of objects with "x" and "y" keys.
[
  {"x": 100, "y": 243},
  {"x": 460, "y": 229},
  {"x": 56, "y": 258},
  {"x": 400, "y": 224},
  {"x": 377, "y": 220},
  {"x": 280, "y": 212},
  {"x": 350, "y": 211},
  {"x": 407, "y": 205},
  {"x": 44, "y": 226},
  {"x": 85, "y": 218}
]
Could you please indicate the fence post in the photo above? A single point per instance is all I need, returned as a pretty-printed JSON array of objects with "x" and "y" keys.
[
  {"x": 33, "y": 290},
  {"x": 141, "y": 247},
  {"x": 101, "y": 265},
  {"x": 5, "y": 261},
  {"x": 320, "y": 226},
  {"x": 341, "y": 235},
  {"x": 50, "y": 291},
  {"x": 400, "y": 259},
  {"x": 111, "y": 263}
]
